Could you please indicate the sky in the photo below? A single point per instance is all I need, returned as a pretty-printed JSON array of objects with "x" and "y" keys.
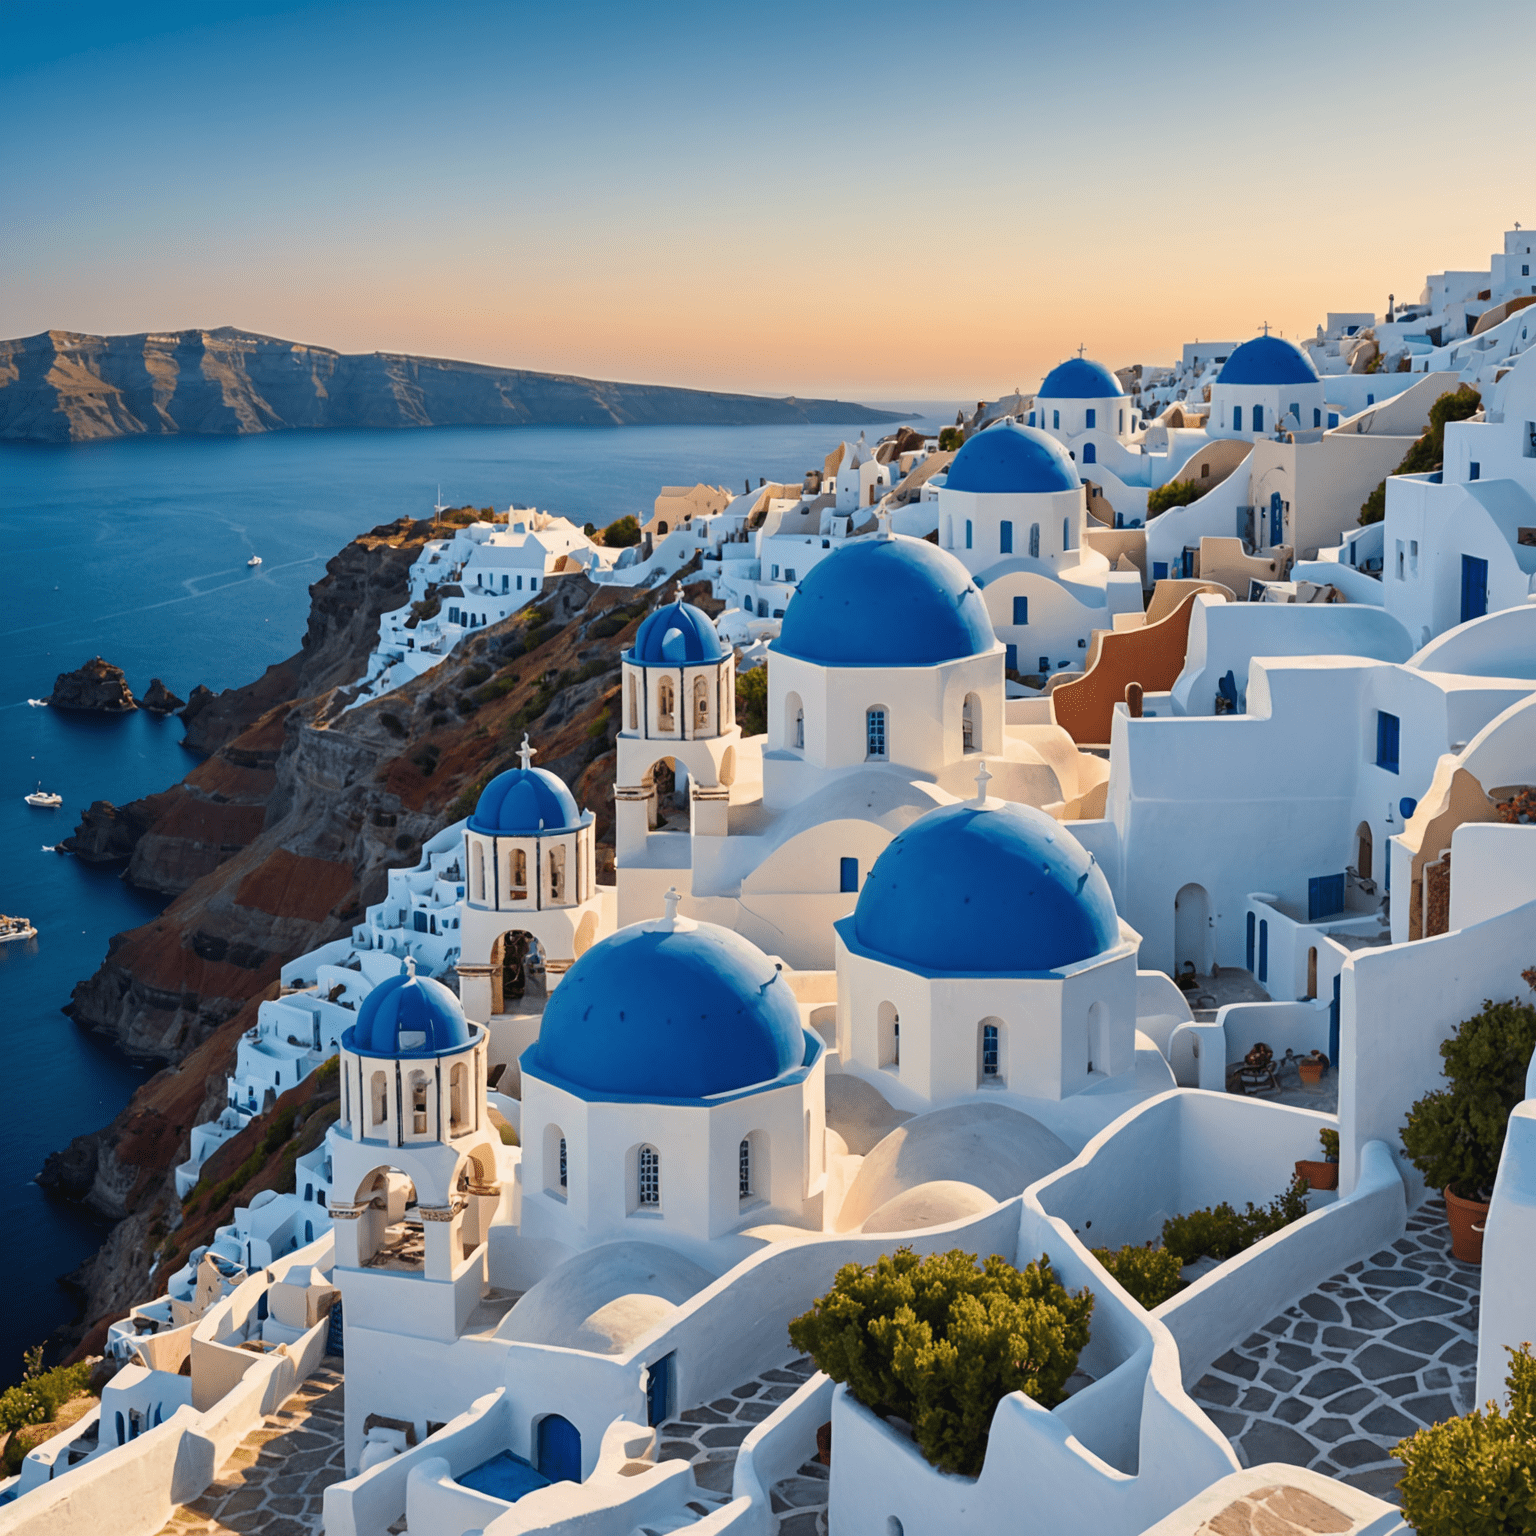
[{"x": 875, "y": 201}]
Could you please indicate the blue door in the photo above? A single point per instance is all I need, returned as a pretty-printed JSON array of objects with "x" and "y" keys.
[
  {"x": 1325, "y": 896},
  {"x": 1263, "y": 949},
  {"x": 1090, "y": 453},
  {"x": 1011, "y": 659},
  {"x": 1474, "y": 587},
  {"x": 1251, "y": 924},
  {"x": 559, "y": 1449},
  {"x": 658, "y": 1391},
  {"x": 1333, "y": 1025},
  {"x": 335, "y": 1340},
  {"x": 1276, "y": 520}
]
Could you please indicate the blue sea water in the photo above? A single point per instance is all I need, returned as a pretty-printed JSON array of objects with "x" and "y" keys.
[{"x": 136, "y": 550}]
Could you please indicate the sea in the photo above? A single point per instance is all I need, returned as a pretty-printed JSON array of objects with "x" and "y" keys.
[{"x": 136, "y": 550}]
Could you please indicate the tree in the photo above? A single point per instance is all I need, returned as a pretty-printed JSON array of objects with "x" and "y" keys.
[
  {"x": 1428, "y": 453},
  {"x": 940, "y": 1341},
  {"x": 622, "y": 532},
  {"x": 1177, "y": 493},
  {"x": 752, "y": 701},
  {"x": 950, "y": 438}
]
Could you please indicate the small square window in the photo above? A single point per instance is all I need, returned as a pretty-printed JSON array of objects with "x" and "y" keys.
[{"x": 1474, "y": 470}]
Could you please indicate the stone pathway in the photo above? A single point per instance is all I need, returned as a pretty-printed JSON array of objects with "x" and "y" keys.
[
  {"x": 1374, "y": 1353},
  {"x": 275, "y": 1479},
  {"x": 709, "y": 1436}
]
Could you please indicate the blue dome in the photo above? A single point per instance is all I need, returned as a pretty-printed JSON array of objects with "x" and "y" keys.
[
  {"x": 677, "y": 634},
  {"x": 1008, "y": 459},
  {"x": 1079, "y": 379},
  {"x": 408, "y": 1005},
  {"x": 989, "y": 890},
  {"x": 659, "y": 1013},
  {"x": 522, "y": 802},
  {"x": 1268, "y": 360},
  {"x": 886, "y": 603}
]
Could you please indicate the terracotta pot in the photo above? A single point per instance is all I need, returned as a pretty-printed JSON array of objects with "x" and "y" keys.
[
  {"x": 1466, "y": 1239},
  {"x": 1318, "y": 1175},
  {"x": 1311, "y": 1072}
]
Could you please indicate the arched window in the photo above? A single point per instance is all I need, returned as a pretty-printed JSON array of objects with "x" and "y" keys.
[
  {"x": 794, "y": 721},
  {"x": 1090, "y": 452},
  {"x": 744, "y": 1167},
  {"x": 989, "y": 1063},
  {"x": 701, "y": 703},
  {"x": 519, "y": 874},
  {"x": 380, "y": 1100},
  {"x": 564, "y": 1166},
  {"x": 557, "y": 874},
  {"x": 634, "y": 707},
  {"x": 1066, "y": 533},
  {"x": 970, "y": 723},
  {"x": 477, "y": 872},
  {"x": 876, "y": 745},
  {"x": 1005, "y": 537},
  {"x": 458, "y": 1099},
  {"x": 665, "y": 704},
  {"x": 418, "y": 1103},
  {"x": 888, "y": 1022},
  {"x": 661, "y": 528},
  {"x": 1034, "y": 541},
  {"x": 648, "y": 1190}
]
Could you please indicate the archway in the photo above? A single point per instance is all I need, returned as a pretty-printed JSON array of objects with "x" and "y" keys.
[
  {"x": 1191, "y": 929},
  {"x": 559, "y": 1449},
  {"x": 1364, "y": 850},
  {"x": 1312, "y": 970},
  {"x": 517, "y": 970},
  {"x": 668, "y": 790},
  {"x": 794, "y": 722},
  {"x": 1098, "y": 1046},
  {"x": 390, "y": 1234}
]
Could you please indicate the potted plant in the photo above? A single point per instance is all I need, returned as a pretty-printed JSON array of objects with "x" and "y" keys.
[
  {"x": 1454, "y": 1135},
  {"x": 1323, "y": 1175},
  {"x": 1312, "y": 1066}
]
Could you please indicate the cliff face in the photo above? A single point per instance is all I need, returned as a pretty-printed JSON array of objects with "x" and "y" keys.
[
  {"x": 61, "y": 386},
  {"x": 97, "y": 687},
  {"x": 333, "y": 800}
]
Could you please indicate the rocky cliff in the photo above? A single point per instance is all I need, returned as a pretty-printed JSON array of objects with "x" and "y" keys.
[
  {"x": 97, "y": 687},
  {"x": 278, "y": 840},
  {"x": 61, "y": 386}
]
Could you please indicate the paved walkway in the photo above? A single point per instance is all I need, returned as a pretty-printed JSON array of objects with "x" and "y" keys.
[
  {"x": 1374, "y": 1353},
  {"x": 710, "y": 1436},
  {"x": 275, "y": 1480}
]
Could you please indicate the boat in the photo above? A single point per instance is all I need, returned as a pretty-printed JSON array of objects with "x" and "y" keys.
[
  {"x": 254, "y": 560},
  {"x": 15, "y": 929},
  {"x": 38, "y": 703},
  {"x": 44, "y": 799}
]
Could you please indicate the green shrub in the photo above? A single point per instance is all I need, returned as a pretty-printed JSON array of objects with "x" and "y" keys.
[
  {"x": 1428, "y": 453},
  {"x": 475, "y": 674},
  {"x": 1330, "y": 1140},
  {"x": 621, "y": 533},
  {"x": 1476, "y": 1475},
  {"x": 752, "y": 701},
  {"x": 1219, "y": 1231},
  {"x": 940, "y": 1342},
  {"x": 1454, "y": 1135},
  {"x": 1150, "y": 1274},
  {"x": 950, "y": 438},
  {"x": 1177, "y": 493},
  {"x": 40, "y": 1394}
]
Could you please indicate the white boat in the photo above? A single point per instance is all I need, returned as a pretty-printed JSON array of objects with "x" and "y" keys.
[
  {"x": 15, "y": 929},
  {"x": 44, "y": 798},
  {"x": 38, "y": 703},
  {"x": 254, "y": 560}
]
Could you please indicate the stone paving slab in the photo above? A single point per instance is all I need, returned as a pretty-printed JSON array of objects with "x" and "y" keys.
[
  {"x": 710, "y": 1435},
  {"x": 275, "y": 1480},
  {"x": 1377, "y": 1351}
]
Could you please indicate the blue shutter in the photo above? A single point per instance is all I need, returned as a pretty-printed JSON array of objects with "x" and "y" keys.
[
  {"x": 1092, "y": 419},
  {"x": 1251, "y": 925},
  {"x": 1011, "y": 660},
  {"x": 1263, "y": 949},
  {"x": 1021, "y": 610},
  {"x": 1474, "y": 586},
  {"x": 848, "y": 875},
  {"x": 1387, "y": 731},
  {"x": 1005, "y": 537},
  {"x": 1325, "y": 896}
]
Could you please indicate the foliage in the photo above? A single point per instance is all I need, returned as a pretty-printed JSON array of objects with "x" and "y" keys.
[
  {"x": 622, "y": 532},
  {"x": 1330, "y": 1140},
  {"x": 1454, "y": 1135},
  {"x": 752, "y": 701},
  {"x": 1428, "y": 453},
  {"x": 1150, "y": 1274},
  {"x": 614, "y": 620},
  {"x": 1476, "y": 1475},
  {"x": 950, "y": 438},
  {"x": 940, "y": 1342},
  {"x": 1221, "y": 1230},
  {"x": 475, "y": 673},
  {"x": 40, "y": 1394},
  {"x": 277, "y": 1134},
  {"x": 507, "y": 1134},
  {"x": 1177, "y": 493}
]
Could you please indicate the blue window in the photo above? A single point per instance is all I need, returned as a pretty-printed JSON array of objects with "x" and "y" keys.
[
  {"x": 1370, "y": 399},
  {"x": 1263, "y": 949},
  {"x": 519, "y": 583},
  {"x": 1325, "y": 896},
  {"x": 1296, "y": 412},
  {"x": 658, "y": 1388},
  {"x": 649, "y": 1190},
  {"x": 1252, "y": 923},
  {"x": 1090, "y": 453},
  {"x": 1276, "y": 518},
  {"x": 744, "y": 1168},
  {"x": 1122, "y": 421},
  {"x": 565, "y": 1174},
  {"x": 1031, "y": 418},
  {"x": 1317, "y": 418},
  {"x": 1005, "y": 537},
  {"x": 1237, "y": 418},
  {"x": 1474, "y": 470},
  {"x": 1386, "y": 740},
  {"x": 848, "y": 876},
  {"x": 1021, "y": 610},
  {"x": 989, "y": 1050},
  {"x": 1258, "y": 418},
  {"x": 874, "y": 732},
  {"x": 967, "y": 533},
  {"x": 1066, "y": 533},
  {"x": 1092, "y": 419},
  {"x": 1333, "y": 418},
  {"x": 1045, "y": 665},
  {"x": 1034, "y": 541},
  {"x": 1056, "y": 419},
  {"x": 1159, "y": 570},
  {"x": 1011, "y": 659},
  {"x": 1474, "y": 587}
]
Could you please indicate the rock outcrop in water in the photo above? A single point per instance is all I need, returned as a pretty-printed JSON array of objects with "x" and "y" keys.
[
  {"x": 316, "y": 805},
  {"x": 61, "y": 386},
  {"x": 98, "y": 687},
  {"x": 159, "y": 700}
]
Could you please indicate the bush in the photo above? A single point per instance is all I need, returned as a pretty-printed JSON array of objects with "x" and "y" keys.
[
  {"x": 950, "y": 438},
  {"x": 1330, "y": 1141},
  {"x": 1219, "y": 1231},
  {"x": 940, "y": 1342},
  {"x": 40, "y": 1394},
  {"x": 1177, "y": 493},
  {"x": 1454, "y": 1135},
  {"x": 752, "y": 701},
  {"x": 1476, "y": 1475},
  {"x": 1428, "y": 454},
  {"x": 1150, "y": 1274},
  {"x": 621, "y": 533}
]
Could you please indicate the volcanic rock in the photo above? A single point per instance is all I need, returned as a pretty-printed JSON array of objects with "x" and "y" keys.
[
  {"x": 159, "y": 700},
  {"x": 98, "y": 686}
]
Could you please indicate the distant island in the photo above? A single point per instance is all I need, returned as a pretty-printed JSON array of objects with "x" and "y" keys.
[{"x": 65, "y": 387}]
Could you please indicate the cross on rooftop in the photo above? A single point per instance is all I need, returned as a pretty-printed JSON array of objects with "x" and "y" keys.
[
  {"x": 525, "y": 753},
  {"x": 410, "y": 967},
  {"x": 1266, "y": 327},
  {"x": 1082, "y": 347},
  {"x": 983, "y": 778}
]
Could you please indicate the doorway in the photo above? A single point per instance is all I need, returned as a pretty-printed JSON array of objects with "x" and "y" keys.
[{"x": 1192, "y": 929}]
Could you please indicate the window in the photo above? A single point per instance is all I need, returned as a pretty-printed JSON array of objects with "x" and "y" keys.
[
  {"x": 1091, "y": 418},
  {"x": 988, "y": 1051},
  {"x": 634, "y": 718},
  {"x": 775, "y": 573},
  {"x": 1066, "y": 533},
  {"x": 533, "y": 583},
  {"x": 1296, "y": 412},
  {"x": 744, "y": 1168},
  {"x": 848, "y": 875},
  {"x": 1090, "y": 454},
  {"x": 1021, "y": 610},
  {"x": 379, "y": 1096},
  {"x": 1121, "y": 427},
  {"x": 1317, "y": 417},
  {"x": 1031, "y": 418},
  {"x": 557, "y": 874},
  {"x": 789, "y": 573},
  {"x": 1056, "y": 419},
  {"x": 1474, "y": 470},
  {"x": 564, "y": 1166},
  {"x": 1386, "y": 741},
  {"x": 1258, "y": 418},
  {"x": 701, "y": 703},
  {"x": 1263, "y": 949},
  {"x": 888, "y": 1026},
  {"x": 419, "y": 1103},
  {"x": 648, "y": 1190},
  {"x": 1413, "y": 556},
  {"x": 967, "y": 533},
  {"x": 1237, "y": 418},
  {"x": 1400, "y": 571},
  {"x": 874, "y": 733},
  {"x": 1045, "y": 665},
  {"x": 458, "y": 1099},
  {"x": 505, "y": 582},
  {"x": 1011, "y": 660},
  {"x": 665, "y": 703},
  {"x": 519, "y": 874},
  {"x": 1034, "y": 541},
  {"x": 970, "y": 723},
  {"x": 1005, "y": 537}
]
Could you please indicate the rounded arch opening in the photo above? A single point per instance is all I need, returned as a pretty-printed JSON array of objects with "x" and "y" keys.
[
  {"x": 990, "y": 1067},
  {"x": 390, "y": 1233},
  {"x": 794, "y": 722},
  {"x": 517, "y": 970},
  {"x": 970, "y": 723},
  {"x": 888, "y": 1027},
  {"x": 1364, "y": 851},
  {"x": 1191, "y": 930},
  {"x": 666, "y": 785}
]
